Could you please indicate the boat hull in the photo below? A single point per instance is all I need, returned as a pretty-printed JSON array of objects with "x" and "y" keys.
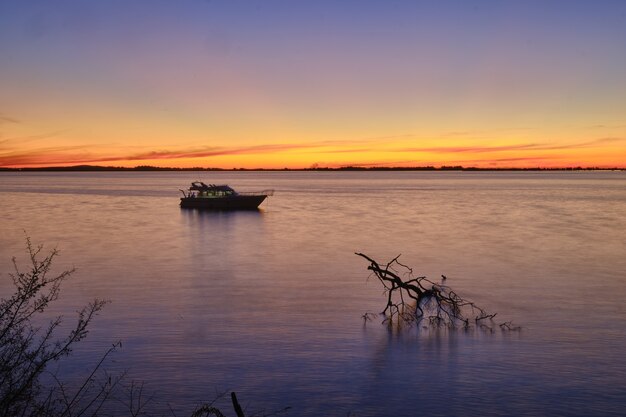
[{"x": 240, "y": 202}]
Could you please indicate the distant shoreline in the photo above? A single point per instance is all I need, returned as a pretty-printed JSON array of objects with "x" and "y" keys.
[{"x": 97, "y": 168}]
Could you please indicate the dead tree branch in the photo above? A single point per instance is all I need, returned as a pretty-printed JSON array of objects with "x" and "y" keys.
[{"x": 421, "y": 301}]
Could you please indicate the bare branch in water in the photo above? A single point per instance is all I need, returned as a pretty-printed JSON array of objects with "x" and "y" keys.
[{"x": 419, "y": 300}]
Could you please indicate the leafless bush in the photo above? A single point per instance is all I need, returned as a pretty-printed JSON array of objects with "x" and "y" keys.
[{"x": 27, "y": 349}]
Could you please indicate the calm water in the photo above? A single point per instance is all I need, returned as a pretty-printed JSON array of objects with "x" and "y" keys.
[{"x": 269, "y": 303}]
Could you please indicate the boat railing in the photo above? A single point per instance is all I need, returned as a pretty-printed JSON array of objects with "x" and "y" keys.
[{"x": 264, "y": 192}]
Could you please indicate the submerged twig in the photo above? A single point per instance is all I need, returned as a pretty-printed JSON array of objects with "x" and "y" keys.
[{"x": 419, "y": 300}]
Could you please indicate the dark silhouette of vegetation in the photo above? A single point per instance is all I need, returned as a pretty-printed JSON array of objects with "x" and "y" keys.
[
  {"x": 207, "y": 410},
  {"x": 28, "y": 349},
  {"x": 421, "y": 301}
]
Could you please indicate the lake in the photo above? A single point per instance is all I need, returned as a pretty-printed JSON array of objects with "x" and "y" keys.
[{"x": 270, "y": 303}]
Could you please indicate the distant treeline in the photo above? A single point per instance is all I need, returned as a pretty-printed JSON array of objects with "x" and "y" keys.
[{"x": 345, "y": 168}]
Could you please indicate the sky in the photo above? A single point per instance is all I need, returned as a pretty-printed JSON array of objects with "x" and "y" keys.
[{"x": 298, "y": 84}]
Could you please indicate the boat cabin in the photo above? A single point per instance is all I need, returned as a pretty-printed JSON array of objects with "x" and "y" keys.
[{"x": 202, "y": 190}]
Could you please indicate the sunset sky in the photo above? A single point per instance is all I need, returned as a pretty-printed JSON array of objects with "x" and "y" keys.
[{"x": 273, "y": 84}]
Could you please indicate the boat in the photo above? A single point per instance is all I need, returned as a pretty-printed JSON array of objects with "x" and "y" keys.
[{"x": 221, "y": 197}]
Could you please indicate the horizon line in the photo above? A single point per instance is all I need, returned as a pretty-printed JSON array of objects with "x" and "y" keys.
[{"x": 341, "y": 168}]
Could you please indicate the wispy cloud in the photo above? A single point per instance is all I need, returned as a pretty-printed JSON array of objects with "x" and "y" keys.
[
  {"x": 519, "y": 159},
  {"x": 609, "y": 140},
  {"x": 483, "y": 132},
  {"x": 370, "y": 139},
  {"x": 470, "y": 149},
  {"x": 589, "y": 144},
  {"x": 215, "y": 151},
  {"x": 49, "y": 155},
  {"x": 518, "y": 147},
  {"x": 16, "y": 142},
  {"x": 397, "y": 163},
  {"x": 68, "y": 154},
  {"x": 13, "y": 154},
  {"x": 8, "y": 119},
  {"x": 602, "y": 126},
  {"x": 351, "y": 150}
]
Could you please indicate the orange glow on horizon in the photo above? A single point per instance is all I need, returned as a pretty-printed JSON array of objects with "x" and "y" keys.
[{"x": 403, "y": 153}]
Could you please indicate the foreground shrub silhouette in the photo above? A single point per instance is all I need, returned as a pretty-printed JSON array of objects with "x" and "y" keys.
[
  {"x": 421, "y": 301},
  {"x": 28, "y": 349}
]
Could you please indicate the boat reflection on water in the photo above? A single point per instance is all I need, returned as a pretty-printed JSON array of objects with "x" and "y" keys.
[{"x": 221, "y": 197}]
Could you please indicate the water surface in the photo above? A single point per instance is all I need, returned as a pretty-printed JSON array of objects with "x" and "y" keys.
[{"x": 269, "y": 303}]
